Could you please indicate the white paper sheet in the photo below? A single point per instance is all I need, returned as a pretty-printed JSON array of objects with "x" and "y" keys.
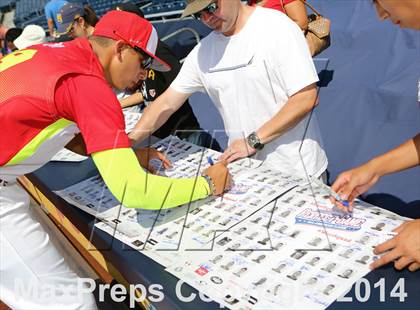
[
  {"x": 241, "y": 250},
  {"x": 199, "y": 222},
  {"x": 285, "y": 256}
]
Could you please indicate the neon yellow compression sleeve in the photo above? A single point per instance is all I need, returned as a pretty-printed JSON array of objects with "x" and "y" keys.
[{"x": 135, "y": 188}]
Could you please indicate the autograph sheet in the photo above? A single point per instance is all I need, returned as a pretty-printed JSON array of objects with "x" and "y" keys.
[{"x": 271, "y": 242}]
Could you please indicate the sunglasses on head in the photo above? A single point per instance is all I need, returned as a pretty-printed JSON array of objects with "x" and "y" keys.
[
  {"x": 210, "y": 9},
  {"x": 147, "y": 61}
]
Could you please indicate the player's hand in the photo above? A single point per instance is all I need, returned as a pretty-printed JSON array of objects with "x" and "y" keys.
[
  {"x": 404, "y": 248},
  {"x": 236, "y": 150},
  {"x": 220, "y": 176},
  {"x": 144, "y": 155},
  {"x": 353, "y": 183}
]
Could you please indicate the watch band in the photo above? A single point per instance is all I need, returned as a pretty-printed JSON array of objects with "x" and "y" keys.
[{"x": 254, "y": 141}]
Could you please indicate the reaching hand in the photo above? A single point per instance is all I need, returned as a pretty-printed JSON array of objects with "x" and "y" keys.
[
  {"x": 404, "y": 248},
  {"x": 353, "y": 183},
  {"x": 144, "y": 155},
  {"x": 220, "y": 176},
  {"x": 238, "y": 149}
]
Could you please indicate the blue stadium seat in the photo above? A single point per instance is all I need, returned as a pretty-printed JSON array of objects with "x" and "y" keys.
[
  {"x": 6, "y": 4},
  {"x": 39, "y": 20},
  {"x": 32, "y": 11},
  {"x": 103, "y": 6},
  {"x": 27, "y": 9}
]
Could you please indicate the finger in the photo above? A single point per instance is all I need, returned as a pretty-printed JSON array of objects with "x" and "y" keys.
[
  {"x": 341, "y": 180},
  {"x": 235, "y": 156},
  {"x": 230, "y": 157},
  {"x": 400, "y": 228},
  {"x": 387, "y": 245},
  {"x": 403, "y": 262},
  {"x": 414, "y": 266},
  {"x": 345, "y": 208},
  {"x": 353, "y": 195},
  {"x": 350, "y": 204},
  {"x": 340, "y": 206},
  {"x": 166, "y": 162},
  {"x": 347, "y": 192},
  {"x": 357, "y": 191},
  {"x": 224, "y": 156},
  {"x": 344, "y": 186},
  {"x": 387, "y": 258}
]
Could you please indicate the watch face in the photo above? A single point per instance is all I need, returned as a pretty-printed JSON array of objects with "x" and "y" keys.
[
  {"x": 250, "y": 141},
  {"x": 254, "y": 141}
]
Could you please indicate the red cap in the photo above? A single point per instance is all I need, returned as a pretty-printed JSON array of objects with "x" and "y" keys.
[{"x": 136, "y": 31}]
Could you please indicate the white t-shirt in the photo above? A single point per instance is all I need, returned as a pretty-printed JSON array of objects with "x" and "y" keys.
[{"x": 250, "y": 76}]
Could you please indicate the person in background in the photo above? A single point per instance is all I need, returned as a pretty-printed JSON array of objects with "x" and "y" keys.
[
  {"x": 295, "y": 9},
  {"x": 51, "y": 10},
  {"x": 403, "y": 249},
  {"x": 183, "y": 123},
  {"x": 76, "y": 20},
  {"x": 264, "y": 87},
  {"x": 31, "y": 35},
  {"x": 3, "y": 31},
  {"x": 11, "y": 35}
]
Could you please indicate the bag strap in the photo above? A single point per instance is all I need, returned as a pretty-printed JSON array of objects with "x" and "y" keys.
[{"x": 309, "y": 6}]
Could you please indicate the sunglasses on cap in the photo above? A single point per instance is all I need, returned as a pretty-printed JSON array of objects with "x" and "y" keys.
[
  {"x": 210, "y": 9},
  {"x": 147, "y": 59}
]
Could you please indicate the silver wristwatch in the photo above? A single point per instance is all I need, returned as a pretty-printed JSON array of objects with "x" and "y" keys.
[{"x": 254, "y": 141}]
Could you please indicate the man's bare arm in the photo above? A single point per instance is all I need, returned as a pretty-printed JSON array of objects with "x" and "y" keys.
[
  {"x": 295, "y": 109},
  {"x": 157, "y": 114},
  {"x": 131, "y": 100},
  {"x": 50, "y": 26},
  {"x": 357, "y": 181}
]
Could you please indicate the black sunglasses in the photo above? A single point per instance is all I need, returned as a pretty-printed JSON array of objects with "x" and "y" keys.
[
  {"x": 210, "y": 9},
  {"x": 147, "y": 61},
  {"x": 70, "y": 29}
]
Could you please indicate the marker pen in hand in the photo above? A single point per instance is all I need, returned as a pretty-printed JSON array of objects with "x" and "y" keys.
[
  {"x": 210, "y": 160},
  {"x": 336, "y": 196}
]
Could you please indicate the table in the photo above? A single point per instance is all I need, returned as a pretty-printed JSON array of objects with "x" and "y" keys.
[{"x": 112, "y": 259}]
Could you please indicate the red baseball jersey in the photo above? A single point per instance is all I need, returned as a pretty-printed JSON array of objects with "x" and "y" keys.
[{"x": 49, "y": 93}]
